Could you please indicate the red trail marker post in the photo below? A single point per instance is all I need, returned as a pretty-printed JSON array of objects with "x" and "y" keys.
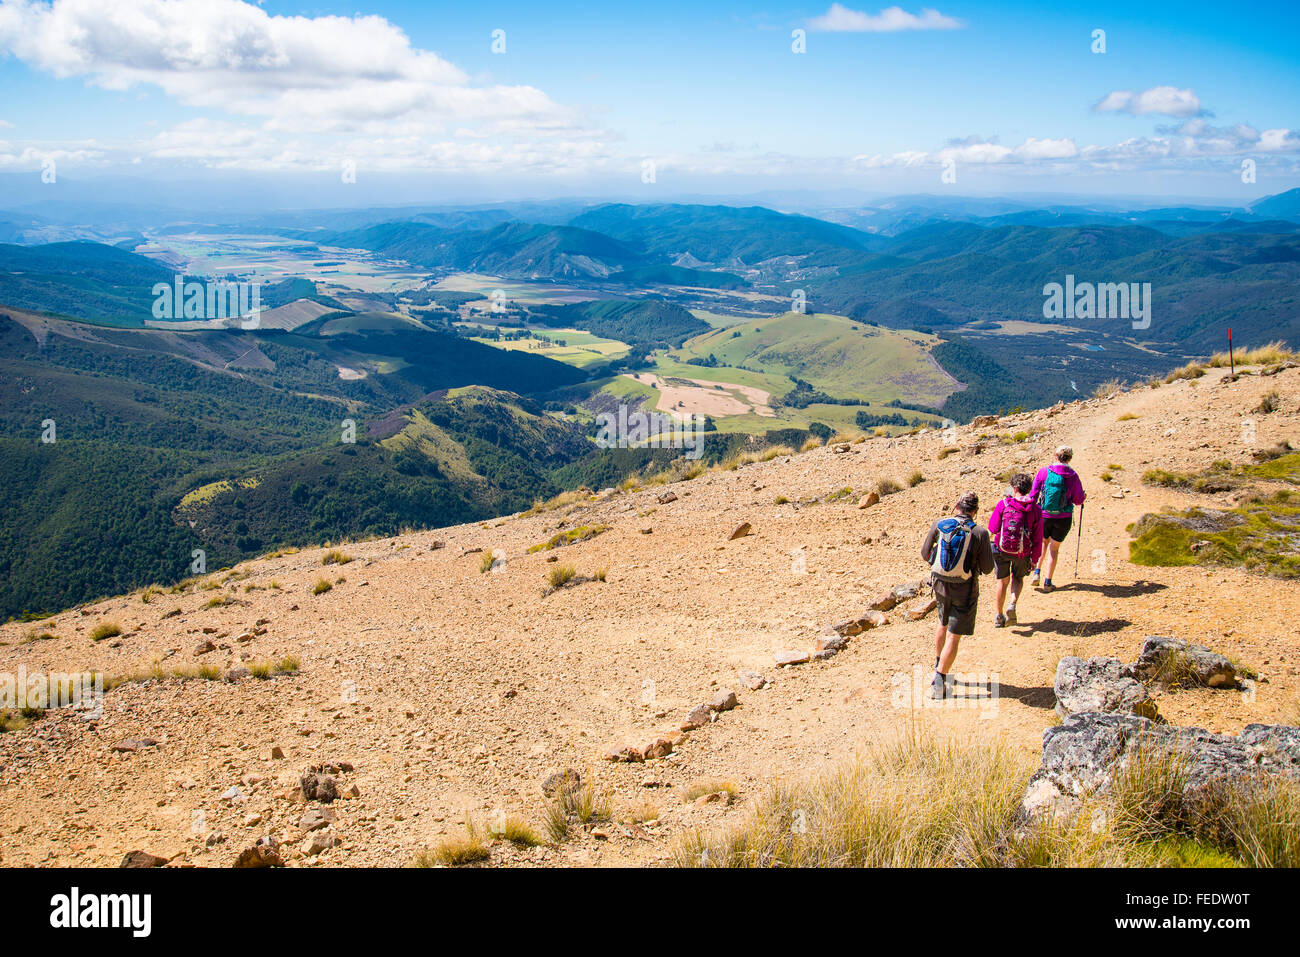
[{"x": 1232, "y": 363}]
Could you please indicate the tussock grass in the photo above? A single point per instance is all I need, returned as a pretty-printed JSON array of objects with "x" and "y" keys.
[
  {"x": 107, "y": 629},
  {"x": 455, "y": 850},
  {"x": 915, "y": 479},
  {"x": 1270, "y": 402},
  {"x": 517, "y": 831},
  {"x": 1193, "y": 370},
  {"x": 1269, "y": 354},
  {"x": 589, "y": 804},
  {"x": 561, "y": 575},
  {"x": 1108, "y": 389},
  {"x": 919, "y": 802},
  {"x": 775, "y": 451},
  {"x": 571, "y": 536},
  {"x": 486, "y": 562},
  {"x": 1126, "y": 417},
  {"x": 948, "y": 450},
  {"x": 335, "y": 557},
  {"x": 578, "y": 495},
  {"x": 697, "y": 789},
  {"x": 811, "y": 443},
  {"x": 887, "y": 487}
]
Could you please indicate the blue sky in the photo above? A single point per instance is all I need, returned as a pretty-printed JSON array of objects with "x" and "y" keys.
[{"x": 1004, "y": 97}]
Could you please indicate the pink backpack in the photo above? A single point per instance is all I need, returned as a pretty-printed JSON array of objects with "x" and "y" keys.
[{"x": 1013, "y": 533}]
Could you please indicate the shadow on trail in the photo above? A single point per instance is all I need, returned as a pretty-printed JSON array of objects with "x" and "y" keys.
[
  {"x": 1033, "y": 697},
  {"x": 1079, "y": 628},
  {"x": 1115, "y": 591}
]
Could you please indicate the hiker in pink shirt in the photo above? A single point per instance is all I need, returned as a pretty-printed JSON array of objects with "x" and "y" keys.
[
  {"x": 1057, "y": 490},
  {"x": 1016, "y": 533}
]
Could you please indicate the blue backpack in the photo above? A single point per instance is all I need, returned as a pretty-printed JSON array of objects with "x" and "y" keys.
[{"x": 951, "y": 549}]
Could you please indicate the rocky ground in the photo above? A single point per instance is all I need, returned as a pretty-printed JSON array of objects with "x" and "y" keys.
[{"x": 438, "y": 690}]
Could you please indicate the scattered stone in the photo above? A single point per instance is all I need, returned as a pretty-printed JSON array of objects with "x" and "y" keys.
[
  {"x": 790, "y": 656},
  {"x": 921, "y": 610},
  {"x": 319, "y": 843},
  {"x": 566, "y": 782},
  {"x": 245, "y": 638},
  {"x": 1176, "y": 660},
  {"x": 885, "y": 602},
  {"x": 868, "y": 500},
  {"x": 233, "y": 795},
  {"x": 908, "y": 590},
  {"x": 833, "y": 640},
  {"x": 318, "y": 787},
  {"x": 658, "y": 748},
  {"x": 203, "y": 647},
  {"x": 740, "y": 531},
  {"x": 314, "y": 819},
  {"x": 983, "y": 420},
  {"x": 840, "y": 447},
  {"x": 667, "y": 497},
  {"x": 724, "y": 700},
  {"x": 627, "y": 754},
  {"x": 264, "y": 853},
  {"x": 715, "y": 797},
  {"x": 134, "y": 744},
  {"x": 1081, "y": 756},
  {"x": 142, "y": 859},
  {"x": 697, "y": 717},
  {"x": 238, "y": 674},
  {"x": 752, "y": 680},
  {"x": 1100, "y": 684},
  {"x": 277, "y": 753},
  {"x": 846, "y": 629},
  {"x": 874, "y": 618}
]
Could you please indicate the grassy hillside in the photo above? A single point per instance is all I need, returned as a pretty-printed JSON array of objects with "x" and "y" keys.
[{"x": 839, "y": 356}]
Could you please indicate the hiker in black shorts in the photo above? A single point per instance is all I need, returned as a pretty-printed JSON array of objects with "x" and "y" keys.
[
  {"x": 1057, "y": 490},
  {"x": 958, "y": 552}
]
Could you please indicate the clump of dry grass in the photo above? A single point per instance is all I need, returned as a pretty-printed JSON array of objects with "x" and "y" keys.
[
  {"x": 919, "y": 802},
  {"x": 456, "y": 849},
  {"x": 107, "y": 629},
  {"x": 1107, "y": 389},
  {"x": 1193, "y": 370},
  {"x": 567, "y": 809},
  {"x": 335, "y": 557}
]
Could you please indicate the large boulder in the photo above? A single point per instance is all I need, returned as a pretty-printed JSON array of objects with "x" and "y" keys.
[
  {"x": 1082, "y": 755},
  {"x": 1100, "y": 684},
  {"x": 1175, "y": 661}
]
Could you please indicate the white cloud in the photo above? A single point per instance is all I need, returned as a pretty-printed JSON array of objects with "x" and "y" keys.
[
  {"x": 324, "y": 74},
  {"x": 840, "y": 19},
  {"x": 1161, "y": 100}
]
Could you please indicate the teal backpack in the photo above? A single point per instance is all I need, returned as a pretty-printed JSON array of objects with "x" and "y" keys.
[{"x": 1056, "y": 495}]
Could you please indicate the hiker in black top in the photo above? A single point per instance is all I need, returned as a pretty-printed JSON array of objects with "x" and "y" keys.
[{"x": 956, "y": 592}]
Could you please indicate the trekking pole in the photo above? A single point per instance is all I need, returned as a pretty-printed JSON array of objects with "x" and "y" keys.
[{"x": 1077, "y": 542}]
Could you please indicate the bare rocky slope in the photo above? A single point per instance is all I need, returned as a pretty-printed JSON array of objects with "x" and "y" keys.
[{"x": 452, "y": 691}]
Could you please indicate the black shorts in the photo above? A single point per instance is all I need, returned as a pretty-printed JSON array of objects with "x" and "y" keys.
[
  {"x": 957, "y": 605},
  {"x": 1017, "y": 566},
  {"x": 1057, "y": 529}
]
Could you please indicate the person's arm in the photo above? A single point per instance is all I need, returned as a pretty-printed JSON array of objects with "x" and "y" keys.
[
  {"x": 985, "y": 550},
  {"x": 1036, "y": 533},
  {"x": 1077, "y": 494},
  {"x": 995, "y": 518},
  {"x": 927, "y": 544},
  {"x": 1039, "y": 480}
]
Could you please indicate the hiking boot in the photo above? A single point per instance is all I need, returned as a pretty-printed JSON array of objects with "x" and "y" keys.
[
  {"x": 939, "y": 688},
  {"x": 1011, "y": 615},
  {"x": 1000, "y": 621},
  {"x": 1038, "y": 574},
  {"x": 1047, "y": 584}
]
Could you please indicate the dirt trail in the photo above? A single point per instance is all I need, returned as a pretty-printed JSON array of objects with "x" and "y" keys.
[{"x": 456, "y": 691}]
